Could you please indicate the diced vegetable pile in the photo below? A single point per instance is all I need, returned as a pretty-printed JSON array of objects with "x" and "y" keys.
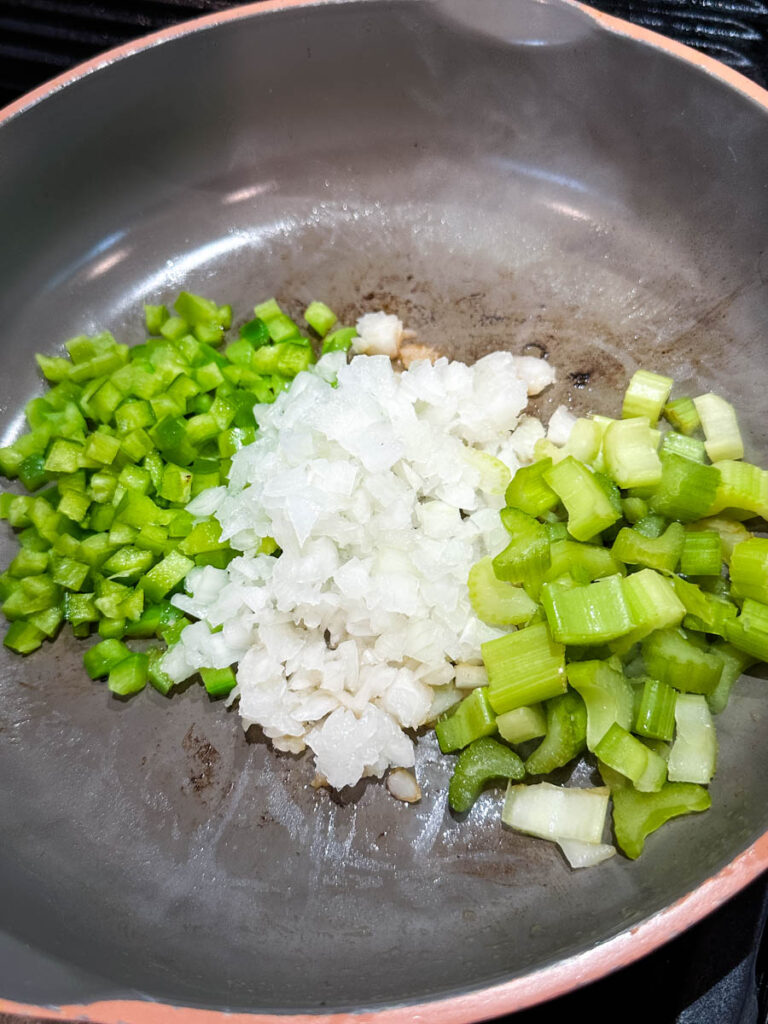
[
  {"x": 121, "y": 442},
  {"x": 640, "y": 598},
  {"x": 634, "y": 595}
]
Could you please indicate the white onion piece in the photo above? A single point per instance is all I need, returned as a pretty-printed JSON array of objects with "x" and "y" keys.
[
  {"x": 560, "y": 425},
  {"x": 403, "y": 786},
  {"x": 470, "y": 676},
  {"x": 379, "y": 334},
  {"x": 585, "y": 855},
  {"x": 694, "y": 753},
  {"x": 536, "y": 373},
  {"x": 443, "y": 698},
  {"x": 553, "y": 812}
]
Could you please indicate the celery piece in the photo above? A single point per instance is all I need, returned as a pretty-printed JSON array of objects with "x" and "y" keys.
[
  {"x": 735, "y": 662},
  {"x": 218, "y": 682},
  {"x": 529, "y": 492},
  {"x": 749, "y": 569},
  {"x": 483, "y": 761},
  {"x": 23, "y": 637},
  {"x": 655, "y": 714},
  {"x": 687, "y": 489},
  {"x": 661, "y": 553},
  {"x": 472, "y": 718},
  {"x": 339, "y": 340},
  {"x": 702, "y": 554},
  {"x": 592, "y": 614},
  {"x": 100, "y": 659},
  {"x": 741, "y": 486},
  {"x": 636, "y": 815},
  {"x": 693, "y": 756},
  {"x": 587, "y": 561},
  {"x": 634, "y": 509},
  {"x": 554, "y": 812},
  {"x": 493, "y": 601},
  {"x": 565, "y": 737},
  {"x": 629, "y": 451},
  {"x": 626, "y": 754},
  {"x": 681, "y": 413},
  {"x": 607, "y": 695},
  {"x": 522, "y": 724},
  {"x": 524, "y": 667},
  {"x": 675, "y": 660},
  {"x": 749, "y": 632},
  {"x": 129, "y": 676},
  {"x": 721, "y": 430},
  {"x": 646, "y": 395},
  {"x": 320, "y": 317},
  {"x": 526, "y": 558},
  {"x": 709, "y": 611},
  {"x": 731, "y": 533},
  {"x": 589, "y": 509},
  {"x": 688, "y": 447}
]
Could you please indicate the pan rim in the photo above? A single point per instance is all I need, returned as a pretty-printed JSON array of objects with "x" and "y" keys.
[{"x": 549, "y": 982}]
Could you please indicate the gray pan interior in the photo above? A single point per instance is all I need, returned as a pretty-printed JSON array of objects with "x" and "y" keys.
[{"x": 500, "y": 175}]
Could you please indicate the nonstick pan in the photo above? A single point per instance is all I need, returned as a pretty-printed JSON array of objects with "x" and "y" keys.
[{"x": 521, "y": 174}]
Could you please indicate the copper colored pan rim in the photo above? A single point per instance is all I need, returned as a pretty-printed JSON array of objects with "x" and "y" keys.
[{"x": 547, "y": 983}]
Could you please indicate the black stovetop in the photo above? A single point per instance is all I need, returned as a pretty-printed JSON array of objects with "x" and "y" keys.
[{"x": 717, "y": 972}]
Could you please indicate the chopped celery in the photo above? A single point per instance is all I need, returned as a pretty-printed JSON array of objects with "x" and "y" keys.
[
  {"x": 694, "y": 753},
  {"x": 523, "y": 668},
  {"x": 589, "y": 509},
  {"x": 483, "y": 761},
  {"x": 494, "y": 601},
  {"x": 607, "y": 695},
  {"x": 565, "y": 737},
  {"x": 662, "y": 553},
  {"x": 718, "y": 420},
  {"x": 655, "y": 715},
  {"x": 592, "y": 614},
  {"x": 687, "y": 489},
  {"x": 522, "y": 724},
  {"x": 626, "y": 754},
  {"x": 629, "y": 451},
  {"x": 529, "y": 492},
  {"x": 554, "y": 812},
  {"x": 681, "y": 413},
  {"x": 674, "y": 659},
  {"x": 468, "y": 721},
  {"x": 702, "y": 554},
  {"x": 749, "y": 569},
  {"x": 646, "y": 396},
  {"x": 636, "y": 815},
  {"x": 526, "y": 558}
]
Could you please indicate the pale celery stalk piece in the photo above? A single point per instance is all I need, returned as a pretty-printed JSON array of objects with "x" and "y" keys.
[
  {"x": 721, "y": 428},
  {"x": 693, "y": 757},
  {"x": 522, "y": 724},
  {"x": 554, "y": 812},
  {"x": 469, "y": 676}
]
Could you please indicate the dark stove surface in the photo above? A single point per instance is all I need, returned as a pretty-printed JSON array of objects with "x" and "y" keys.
[{"x": 717, "y": 972}]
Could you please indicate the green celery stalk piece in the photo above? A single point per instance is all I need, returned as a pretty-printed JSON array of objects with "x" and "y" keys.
[
  {"x": 493, "y": 601},
  {"x": 565, "y": 737},
  {"x": 524, "y": 667},
  {"x": 636, "y": 815},
  {"x": 482, "y": 762},
  {"x": 607, "y": 695},
  {"x": 472, "y": 718}
]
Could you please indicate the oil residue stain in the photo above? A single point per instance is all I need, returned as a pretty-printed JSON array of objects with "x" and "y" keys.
[{"x": 203, "y": 761}]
